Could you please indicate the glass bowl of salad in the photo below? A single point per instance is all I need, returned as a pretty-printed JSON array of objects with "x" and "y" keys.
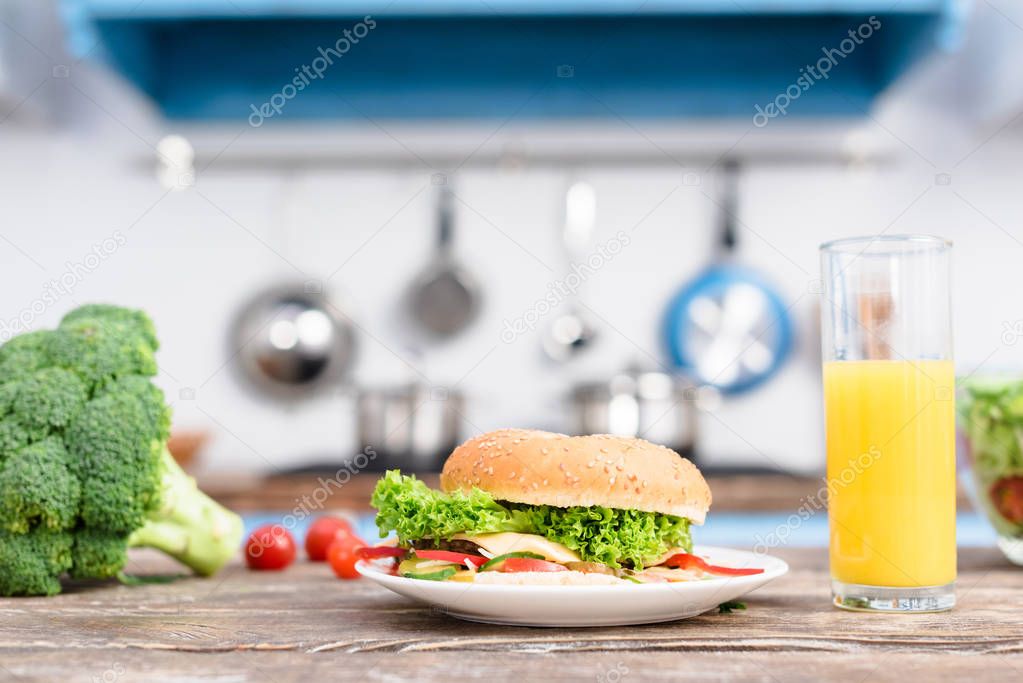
[{"x": 991, "y": 427}]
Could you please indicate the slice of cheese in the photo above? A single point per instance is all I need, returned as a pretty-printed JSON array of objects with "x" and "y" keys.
[
  {"x": 664, "y": 557},
  {"x": 675, "y": 574},
  {"x": 511, "y": 542}
]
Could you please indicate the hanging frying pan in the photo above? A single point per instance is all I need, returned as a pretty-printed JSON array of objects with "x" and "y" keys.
[
  {"x": 445, "y": 298},
  {"x": 728, "y": 327}
]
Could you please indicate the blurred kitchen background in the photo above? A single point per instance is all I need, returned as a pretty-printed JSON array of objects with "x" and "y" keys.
[{"x": 161, "y": 154}]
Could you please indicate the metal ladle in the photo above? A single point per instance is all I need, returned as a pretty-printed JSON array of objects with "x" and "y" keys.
[{"x": 572, "y": 331}]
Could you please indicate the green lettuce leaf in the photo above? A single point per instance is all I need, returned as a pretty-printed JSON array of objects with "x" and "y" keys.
[
  {"x": 414, "y": 510},
  {"x": 992, "y": 418},
  {"x": 612, "y": 536}
]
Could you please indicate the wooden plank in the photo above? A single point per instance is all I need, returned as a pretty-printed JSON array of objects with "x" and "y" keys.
[
  {"x": 302, "y": 622},
  {"x": 618, "y": 667}
]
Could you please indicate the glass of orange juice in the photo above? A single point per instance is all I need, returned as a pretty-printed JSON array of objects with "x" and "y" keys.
[{"x": 890, "y": 422}]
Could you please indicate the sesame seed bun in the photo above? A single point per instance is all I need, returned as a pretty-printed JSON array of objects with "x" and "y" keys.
[{"x": 541, "y": 468}]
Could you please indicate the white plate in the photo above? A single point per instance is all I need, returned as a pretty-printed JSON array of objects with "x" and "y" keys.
[{"x": 586, "y": 605}]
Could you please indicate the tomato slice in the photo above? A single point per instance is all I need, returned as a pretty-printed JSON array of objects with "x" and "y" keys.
[
  {"x": 687, "y": 561},
  {"x": 368, "y": 553},
  {"x": 476, "y": 561},
  {"x": 1007, "y": 496},
  {"x": 495, "y": 562},
  {"x": 530, "y": 564}
]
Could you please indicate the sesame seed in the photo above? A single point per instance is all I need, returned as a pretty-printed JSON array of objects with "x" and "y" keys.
[
  {"x": 612, "y": 481},
  {"x": 511, "y": 476}
]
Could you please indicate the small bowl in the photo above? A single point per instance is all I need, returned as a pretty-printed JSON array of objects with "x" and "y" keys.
[{"x": 991, "y": 443}]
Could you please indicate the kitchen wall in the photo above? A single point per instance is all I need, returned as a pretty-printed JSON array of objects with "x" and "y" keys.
[{"x": 79, "y": 187}]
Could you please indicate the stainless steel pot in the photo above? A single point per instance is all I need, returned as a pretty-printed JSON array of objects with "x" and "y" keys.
[
  {"x": 411, "y": 427},
  {"x": 655, "y": 406}
]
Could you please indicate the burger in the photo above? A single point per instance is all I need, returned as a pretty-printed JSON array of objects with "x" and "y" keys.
[{"x": 527, "y": 506}]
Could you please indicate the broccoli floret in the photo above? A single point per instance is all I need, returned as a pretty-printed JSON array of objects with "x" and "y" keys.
[
  {"x": 138, "y": 321},
  {"x": 102, "y": 349},
  {"x": 38, "y": 490},
  {"x": 48, "y": 399},
  {"x": 118, "y": 439},
  {"x": 84, "y": 468},
  {"x": 8, "y": 397},
  {"x": 24, "y": 354},
  {"x": 98, "y": 554},
  {"x": 13, "y": 435},
  {"x": 31, "y": 564},
  {"x": 38, "y": 405}
]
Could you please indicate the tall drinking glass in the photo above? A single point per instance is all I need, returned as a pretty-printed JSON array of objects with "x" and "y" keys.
[{"x": 890, "y": 422}]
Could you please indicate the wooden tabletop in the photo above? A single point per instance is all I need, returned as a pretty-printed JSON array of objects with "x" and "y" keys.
[
  {"x": 747, "y": 493},
  {"x": 304, "y": 625}
]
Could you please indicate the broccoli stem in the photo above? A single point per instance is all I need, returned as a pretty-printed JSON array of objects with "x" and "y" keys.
[{"x": 189, "y": 526}]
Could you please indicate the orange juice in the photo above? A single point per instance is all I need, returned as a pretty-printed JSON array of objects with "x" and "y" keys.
[{"x": 891, "y": 471}]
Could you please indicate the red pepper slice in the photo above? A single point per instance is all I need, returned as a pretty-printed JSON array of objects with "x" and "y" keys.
[
  {"x": 370, "y": 553},
  {"x": 687, "y": 561},
  {"x": 529, "y": 564},
  {"x": 477, "y": 561}
]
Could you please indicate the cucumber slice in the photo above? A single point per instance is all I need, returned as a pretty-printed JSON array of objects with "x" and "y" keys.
[
  {"x": 494, "y": 562},
  {"x": 441, "y": 575}
]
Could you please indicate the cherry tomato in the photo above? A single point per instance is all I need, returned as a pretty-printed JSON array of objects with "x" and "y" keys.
[
  {"x": 270, "y": 547},
  {"x": 342, "y": 556},
  {"x": 322, "y": 533}
]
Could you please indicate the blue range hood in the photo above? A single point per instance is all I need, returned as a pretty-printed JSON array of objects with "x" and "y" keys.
[{"x": 424, "y": 59}]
